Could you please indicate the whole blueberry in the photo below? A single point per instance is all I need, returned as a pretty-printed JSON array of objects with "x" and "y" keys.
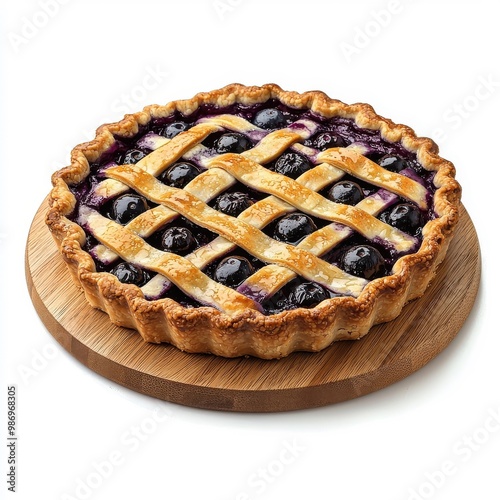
[
  {"x": 307, "y": 295},
  {"x": 363, "y": 261},
  {"x": 393, "y": 163},
  {"x": 277, "y": 303},
  {"x": 293, "y": 228},
  {"x": 232, "y": 142},
  {"x": 232, "y": 271},
  {"x": 173, "y": 129},
  {"x": 178, "y": 240},
  {"x": 179, "y": 174},
  {"x": 131, "y": 157},
  {"x": 404, "y": 216},
  {"x": 292, "y": 164},
  {"x": 233, "y": 203},
  {"x": 346, "y": 192},
  {"x": 269, "y": 119},
  {"x": 127, "y": 207},
  {"x": 326, "y": 140},
  {"x": 130, "y": 274}
]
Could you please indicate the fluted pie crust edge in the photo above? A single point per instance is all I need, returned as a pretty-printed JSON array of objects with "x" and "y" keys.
[{"x": 207, "y": 330}]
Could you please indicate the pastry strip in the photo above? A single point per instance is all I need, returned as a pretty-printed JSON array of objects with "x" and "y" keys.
[
  {"x": 177, "y": 269},
  {"x": 354, "y": 163},
  {"x": 239, "y": 232},
  {"x": 266, "y": 281},
  {"x": 308, "y": 201},
  {"x": 157, "y": 161},
  {"x": 259, "y": 215}
]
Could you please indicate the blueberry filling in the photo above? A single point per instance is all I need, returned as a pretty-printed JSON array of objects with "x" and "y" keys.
[
  {"x": 297, "y": 293},
  {"x": 404, "y": 216},
  {"x": 325, "y": 140},
  {"x": 308, "y": 295},
  {"x": 292, "y": 164},
  {"x": 130, "y": 274},
  {"x": 179, "y": 174},
  {"x": 356, "y": 255},
  {"x": 233, "y": 203},
  {"x": 293, "y": 228},
  {"x": 178, "y": 240},
  {"x": 232, "y": 143},
  {"x": 269, "y": 119},
  {"x": 233, "y": 270},
  {"x": 393, "y": 163},
  {"x": 346, "y": 192},
  {"x": 364, "y": 261},
  {"x": 131, "y": 157},
  {"x": 128, "y": 207},
  {"x": 173, "y": 129}
]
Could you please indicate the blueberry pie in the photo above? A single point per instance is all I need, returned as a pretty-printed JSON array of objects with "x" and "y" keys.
[{"x": 253, "y": 220}]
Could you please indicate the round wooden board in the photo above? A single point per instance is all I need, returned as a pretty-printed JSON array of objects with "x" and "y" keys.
[{"x": 343, "y": 371}]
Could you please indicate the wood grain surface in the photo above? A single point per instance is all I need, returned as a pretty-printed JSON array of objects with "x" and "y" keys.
[{"x": 345, "y": 370}]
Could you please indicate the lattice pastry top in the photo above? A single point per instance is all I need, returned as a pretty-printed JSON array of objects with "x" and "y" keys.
[{"x": 251, "y": 220}]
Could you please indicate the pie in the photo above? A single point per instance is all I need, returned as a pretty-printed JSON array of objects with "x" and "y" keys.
[{"x": 253, "y": 220}]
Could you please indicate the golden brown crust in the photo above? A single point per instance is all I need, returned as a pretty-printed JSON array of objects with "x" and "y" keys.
[{"x": 249, "y": 332}]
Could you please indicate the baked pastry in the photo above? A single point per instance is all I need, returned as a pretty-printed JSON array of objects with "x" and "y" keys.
[{"x": 253, "y": 221}]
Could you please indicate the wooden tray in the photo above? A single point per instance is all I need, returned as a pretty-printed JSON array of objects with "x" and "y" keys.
[{"x": 343, "y": 371}]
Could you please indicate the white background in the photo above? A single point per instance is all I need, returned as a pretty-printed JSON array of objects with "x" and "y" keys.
[{"x": 68, "y": 67}]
